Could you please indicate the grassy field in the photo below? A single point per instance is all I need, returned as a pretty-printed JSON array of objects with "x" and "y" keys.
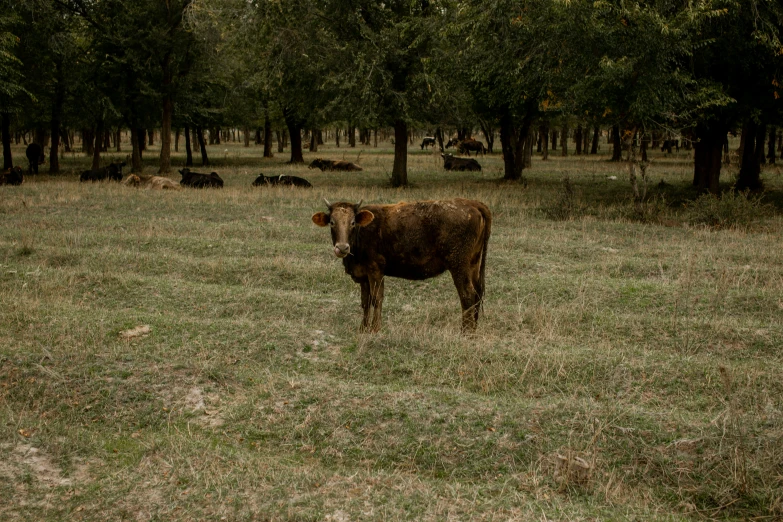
[{"x": 627, "y": 366}]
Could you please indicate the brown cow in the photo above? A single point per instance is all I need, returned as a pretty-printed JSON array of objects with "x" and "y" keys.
[
  {"x": 470, "y": 144},
  {"x": 154, "y": 182},
  {"x": 414, "y": 241}
]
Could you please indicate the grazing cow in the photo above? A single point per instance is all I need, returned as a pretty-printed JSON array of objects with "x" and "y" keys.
[
  {"x": 413, "y": 241},
  {"x": 668, "y": 144},
  {"x": 112, "y": 171},
  {"x": 199, "y": 180},
  {"x": 428, "y": 141},
  {"x": 35, "y": 156},
  {"x": 153, "y": 182},
  {"x": 452, "y": 163},
  {"x": 294, "y": 181},
  {"x": 465, "y": 146},
  {"x": 12, "y": 176},
  {"x": 333, "y": 165}
]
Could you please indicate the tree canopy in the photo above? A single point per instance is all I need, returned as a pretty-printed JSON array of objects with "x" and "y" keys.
[{"x": 696, "y": 69}]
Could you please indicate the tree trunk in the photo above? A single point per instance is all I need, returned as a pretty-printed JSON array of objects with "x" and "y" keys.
[
  {"x": 439, "y": 137},
  {"x": 151, "y": 135},
  {"x": 96, "y": 155},
  {"x": 137, "y": 139},
  {"x": 585, "y": 139},
  {"x": 564, "y": 141},
  {"x": 280, "y": 145},
  {"x": 337, "y": 137},
  {"x": 761, "y": 134},
  {"x": 352, "y": 136},
  {"x": 528, "y": 159},
  {"x": 400, "y": 168},
  {"x": 188, "y": 149},
  {"x": 771, "y": 156},
  {"x": 544, "y": 141},
  {"x": 594, "y": 146},
  {"x": 750, "y": 168},
  {"x": 8, "y": 161},
  {"x": 313, "y": 140},
  {"x": 578, "y": 139},
  {"x": 118, "y": 139},
  {"x": 645, "y": 138},
  {"x": 295, "y": 133},
  {"x": 66, "y": 139},
  {"x": 267, "y": 136},
  {"x": 707, "y": 157},
  {"x": 554, "y": 140},
  {"x": 177, "y": 132},
  {"x": 513, "y": 140},
  {"x": 165, "y": 134},
  {"x": 617, "y": 146},
  {"x": 202, "y": 146}
]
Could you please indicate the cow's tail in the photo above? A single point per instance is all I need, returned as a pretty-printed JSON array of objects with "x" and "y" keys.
[{"x": 487, "y": 215}]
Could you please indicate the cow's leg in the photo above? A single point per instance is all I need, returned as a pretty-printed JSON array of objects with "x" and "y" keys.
[
  {"x": 468, "y": 297},
  {"x": 365, "y": 284},
  {"x": 376, "y": 300}
]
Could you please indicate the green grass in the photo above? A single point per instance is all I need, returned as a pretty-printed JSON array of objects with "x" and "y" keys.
[{"x": 627, "y": 365}]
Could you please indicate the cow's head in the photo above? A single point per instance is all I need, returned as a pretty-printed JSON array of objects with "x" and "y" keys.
[
  {"x": 184, "y": 172},
  {"x": 343, "y": 218},
  {"x": 260, "y": 180},
  {"x": 316, "y": 163}
]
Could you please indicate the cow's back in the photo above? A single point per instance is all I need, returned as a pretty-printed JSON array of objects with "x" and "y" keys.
[{"x": 422, "y": 239}]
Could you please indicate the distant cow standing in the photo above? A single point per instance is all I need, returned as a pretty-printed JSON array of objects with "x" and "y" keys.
[
  {"x": 12, "y": 176},
  {"x": 412, "y": 241},
  {"x": 428, "y": 141},
  {"x": 35, "y": 156},
  {"x": 668, "y": 144},
  {"x": 452, "y": 163},
  {"x": 112, "y": 172},
  {"x": 453, "y": 142},
  {"x": 465, "y": 146},
  {"x": 199, "y": 180},
  {"x": 325, "y": 165},
  {"x": 294, "y": 181}
]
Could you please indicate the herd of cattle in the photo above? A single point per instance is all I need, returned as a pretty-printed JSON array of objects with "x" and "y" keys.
[{"x": 113, "y": 172}]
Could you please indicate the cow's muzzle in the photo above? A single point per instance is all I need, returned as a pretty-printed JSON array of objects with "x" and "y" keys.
[{"x": 342, "y": 249}]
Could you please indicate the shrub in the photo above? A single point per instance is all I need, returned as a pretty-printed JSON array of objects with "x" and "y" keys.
[
  {"x": 566, "y": 206},
  {"x": 731, "y": 209}
]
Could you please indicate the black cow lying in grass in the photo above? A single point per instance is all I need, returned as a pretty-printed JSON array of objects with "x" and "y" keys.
[
  {"x": 452, "y": 163},
  {"x": 35, "y": 156},
  {"x": 112, "y": 172},
  {"x": 294, "y": 181},
  {"x": 428, "y": 141},
  {"x": 333, "y": 165},
  {"x": 12, "y": 176},
  {"x": 200, "y": 180}
]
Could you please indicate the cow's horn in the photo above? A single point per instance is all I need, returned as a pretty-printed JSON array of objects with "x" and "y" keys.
[
  {"x": 327, "y": 203},
  {"x": 360, "y": 204}
]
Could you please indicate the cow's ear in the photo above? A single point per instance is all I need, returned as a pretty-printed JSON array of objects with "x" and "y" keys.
[
  {"x": 364, "y": 218},
  {"x": 321, "y": 219}
]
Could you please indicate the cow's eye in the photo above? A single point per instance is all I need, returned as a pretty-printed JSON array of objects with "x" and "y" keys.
[
  {"x": 353, "y": 223},
  {"x": 331, "y": 224}
]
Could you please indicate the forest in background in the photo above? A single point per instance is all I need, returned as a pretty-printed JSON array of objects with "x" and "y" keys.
[{"x": 527, "y": 71}]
